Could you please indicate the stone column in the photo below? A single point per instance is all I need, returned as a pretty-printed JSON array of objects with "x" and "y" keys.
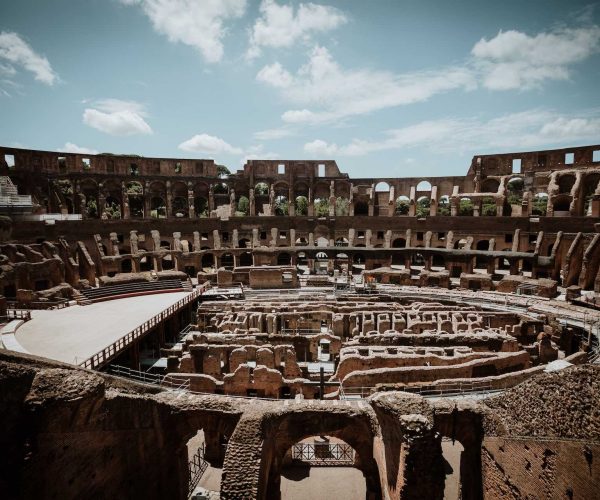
[
  {"x": 191, "y": 207},
  {"x": 169, "y": 200},
  {"x": 252, "y": 203}
]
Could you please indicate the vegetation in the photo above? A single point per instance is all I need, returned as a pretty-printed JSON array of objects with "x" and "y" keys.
[
  {"x": 223, "y": 172},
  {"x": 402, "y": 207},
  {"x": 301, "y": 205},
  {"x": 261, "y": 189},
  {"x": 321, "y": 207},
  {"x": 342, "y": 206},
  {"x": 539, "y": 205},
  {"x": 465, "y": 207},
  {"x": 488, "y": 207},
  {"x": 423, "y": 207},
  {"x": 243, "y": 206}
]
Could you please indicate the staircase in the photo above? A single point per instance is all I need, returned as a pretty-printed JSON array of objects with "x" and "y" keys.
[
  {"x": 11, "y": 200},
  {"x": 90, "y": 295}
]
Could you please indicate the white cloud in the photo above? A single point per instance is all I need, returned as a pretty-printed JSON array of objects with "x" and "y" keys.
[
  {"x": 197, "y": 23},
  {"x": 275, "y": 76},
  {"x": 209, "y": 144},
  {"x": 117, "y": 117},
  {"x": 515, "y": 60},
  {"x": 279, "y": 26},
  {"x": 337, "y": 93},
  {"x": 273, "y": 133},
  {"x": 18, "y": 52},
  {"x": 69, "y": 147},
  {"x": 533, "y": 129}
]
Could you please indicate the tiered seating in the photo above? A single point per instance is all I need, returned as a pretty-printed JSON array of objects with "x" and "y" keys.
[
  {"x": 126, "y": 289},
  {"x": 10, "y": 199}
]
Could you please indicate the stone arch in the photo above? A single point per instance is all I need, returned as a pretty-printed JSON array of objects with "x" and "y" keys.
[
  {"x": 399, "y": 243},
  {"x": 565, "y": 183},
  {"x": 283, "y": 432},
  {"x": 490, "y": 185},
  {"x": 561, "y": 203}
]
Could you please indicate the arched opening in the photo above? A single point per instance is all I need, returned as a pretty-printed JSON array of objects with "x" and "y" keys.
[
  {"x": 423, "y": 206},
  {"x": 321, "y": 242},
  {"x": 565, "y": 183},
  {"x": 402, "y": 205},
  {"x": 91, "y": 207},
  {"x": 135, "y": 198},
  {"x": 158, "y": 208},
  {"x": 281, "y": 205},
  {"x": 382, "y": 187},
  {"x": 444, "y": 205},
  {"x": 208, "y": 262},
  {"x": 309, "y": 465},
  {"x": 284, "y": 259},
  {"x": 180, "y": 206},
  {"x": 488, "y": 207},
  {"x": 561, "y": 205},
  {"x": 483, "y": 245},
  {"x": 301, "y": 205},
  {"x": 438, "y": 261},
  {"x": 201, "y": 206},
  {"x": 112, "y": 208},
  {"x": 330, "y": 429},
  {"x": 301, "y": 259},
  {"x": 126, "y": 266},
  {"x": 423, "y": 186},
  {"x": 465, "y": 207},
  {"x": 361, "y": 208},
  {"x": 515, "y": 188},
  {"x": 243, "y": 206},
  {"x": 399, "y": 243},
  {"x": 490, "y": 186},
  {"x": 227, "y": 261},
  {"x": 590, "y": 184},
  {"x": 146, "y": 264},
  {"x": 168, "y": 262},
  {"x": 321, "y": 207},
  {"x": 244, "y": 243},
  {"x": 539, "y": 204},
  {"x": 342, "y": 206},
  {"x": 246, "y": 259},
  {"x": 341, "y": 242}
]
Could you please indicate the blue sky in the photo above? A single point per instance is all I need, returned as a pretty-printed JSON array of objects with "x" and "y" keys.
[{"x": 386, "y": 88}]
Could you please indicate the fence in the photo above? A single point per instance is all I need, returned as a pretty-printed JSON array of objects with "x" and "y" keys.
[
  {"x": 197, "y": 467},
  {"x": 324, "y": 454},
  {"x": 109, "y": 353},
  {"x": 38, "y": 304},
  {"x": 12, "y": 314}
]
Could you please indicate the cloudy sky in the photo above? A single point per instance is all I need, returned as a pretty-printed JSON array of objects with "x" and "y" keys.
[{"x": 385, "y": 87}]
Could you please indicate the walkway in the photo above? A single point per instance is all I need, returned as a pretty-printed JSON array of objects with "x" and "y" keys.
[{"x": 75, "y": 333}]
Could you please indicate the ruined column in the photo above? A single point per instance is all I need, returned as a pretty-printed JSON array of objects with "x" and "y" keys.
[{"x": 252, "y": 203}]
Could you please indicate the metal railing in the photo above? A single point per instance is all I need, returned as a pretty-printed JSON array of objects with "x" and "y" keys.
[
  {"x": 325, "y": 454},
  {"x": 38, "y": 304},
  {"x": 197, "y": 467},
  {"x": 12, "y": 314},
  {"x": 109, "y": 353}
]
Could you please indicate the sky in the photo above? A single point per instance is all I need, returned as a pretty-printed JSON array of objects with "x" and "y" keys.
[{"x": 387, "y": 88}]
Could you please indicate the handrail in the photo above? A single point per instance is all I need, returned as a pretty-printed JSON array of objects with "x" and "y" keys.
[{"x": 113, "y": 350}]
